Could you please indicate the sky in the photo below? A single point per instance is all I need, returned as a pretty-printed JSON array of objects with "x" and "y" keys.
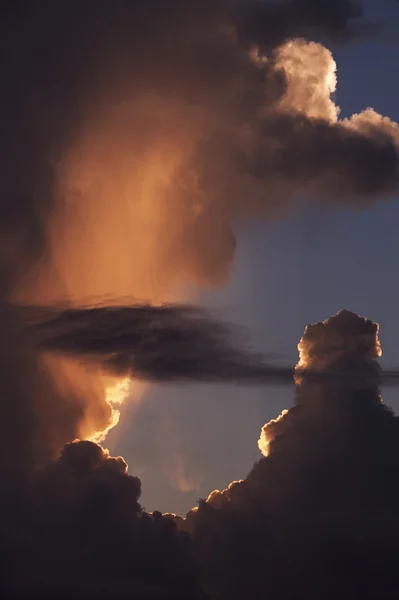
[{"x": 183, "y": 441}]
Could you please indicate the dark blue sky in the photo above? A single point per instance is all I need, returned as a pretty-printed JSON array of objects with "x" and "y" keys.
[{"x": 287, "y": 274}]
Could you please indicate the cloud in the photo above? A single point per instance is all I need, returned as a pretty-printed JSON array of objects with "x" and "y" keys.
[
  {"x": 322, "y": 505},
  {"x": 164, "y": 343},
  {"x": 271, "y": 22},
  {"x": 133, "y": 135},
  {"x": 345, "y": 340},
  {"x": 84, "y": 532},
  {"x": 187, "y": 343}
]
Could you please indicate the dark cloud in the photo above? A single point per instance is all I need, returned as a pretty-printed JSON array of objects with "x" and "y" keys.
[
  {"x": 166, "y": 343},
  {"x": 84, "y": 533},
  {"x": 327, "y": 162},
  {"x": 270, "y": 22},
  {"x": 319, "y": 514},
  {"x": 188, "y": 343}
]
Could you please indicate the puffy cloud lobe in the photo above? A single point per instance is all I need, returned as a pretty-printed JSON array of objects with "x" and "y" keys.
[
  {"x": 219, "y": 498},
  {"x": 310, "y": 72},
  {"x": 269, "y": 432},
  {"x": 85, "y": 470},
  {"x": 343, "y": 340}
]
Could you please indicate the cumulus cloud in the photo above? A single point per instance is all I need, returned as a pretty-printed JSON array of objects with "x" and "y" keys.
[
  {"x": 322, "y": 504},
  {"x": 343, "y": 340},
  {"x": 85, "y": 533},
  {"x": 336, "y": 357}
]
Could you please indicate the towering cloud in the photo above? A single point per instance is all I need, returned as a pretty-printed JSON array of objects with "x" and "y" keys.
[
  {"x": 337, "y": 362},
  {"x": 319, "y": 513}
]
